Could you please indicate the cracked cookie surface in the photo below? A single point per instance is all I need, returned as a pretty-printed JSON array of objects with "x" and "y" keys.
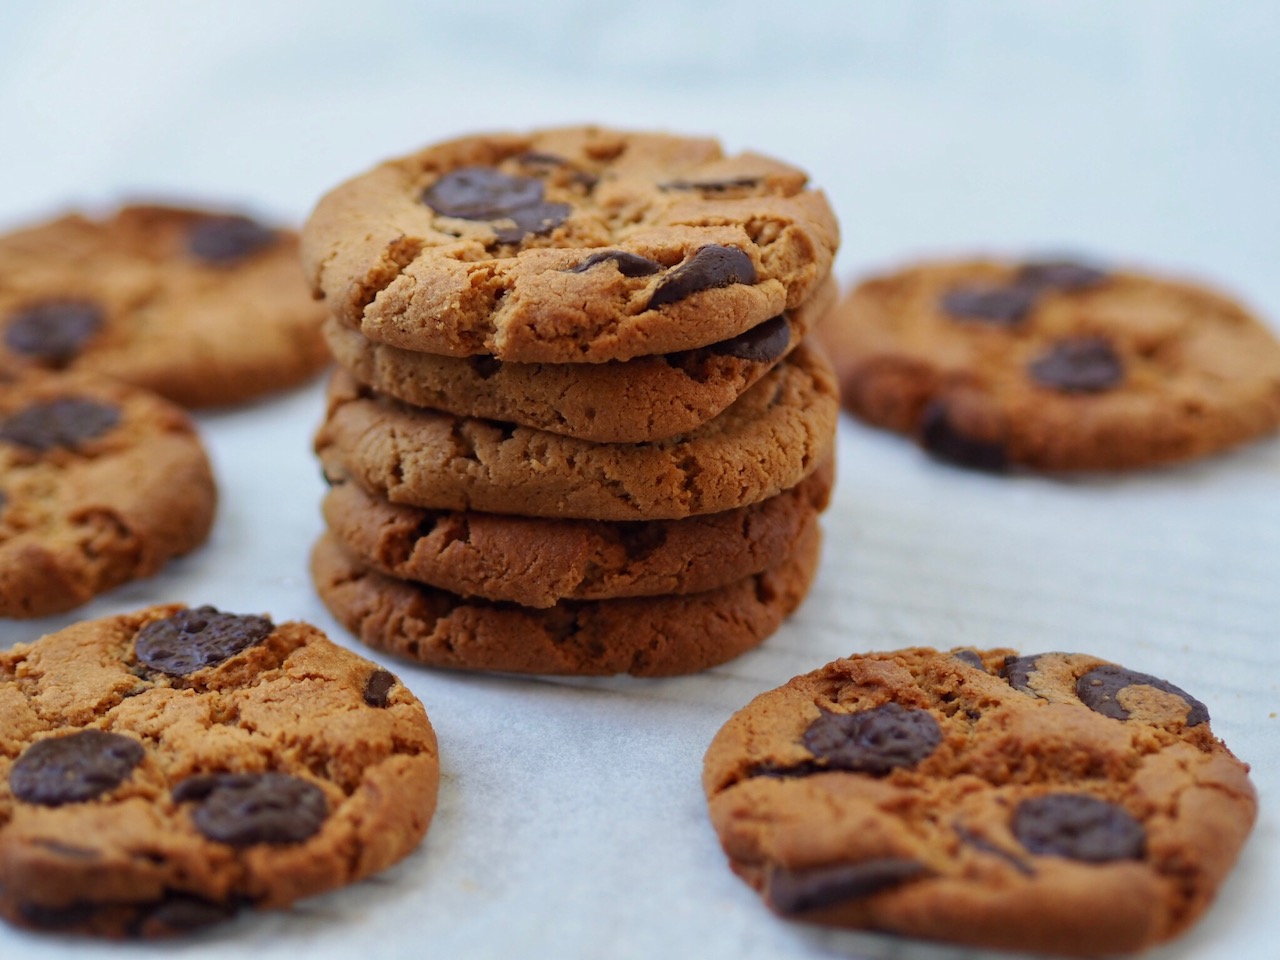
[
  {"x": 100, "y": 483},
  {"x": 202, "y": 307},
  {"x": 1054, "y": 365},
  {"x": 569, "y": 245},
  {"x": 160, "y": 770},
  {"x": 1053, "y": 802}
]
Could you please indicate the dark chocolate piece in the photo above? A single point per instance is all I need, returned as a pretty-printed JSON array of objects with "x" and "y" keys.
[
  {"x": 247, "y": 808},
  {"x": 483, "y": 193},
  {"x": 710, "y": 267},
  {"x": 1061, "y": 275},
  {"x": 1079, "y": 365},
  {"x": 224, "y": 241},
  {"x": 1098, "y": 688},
  {"x": 979, "y": 842},
  {"x": 1002, "y": 305},
  {"x": 378, "y": 688},
  {"x": 1079, "y": 827},
  {"x": 66, "y": 422},
  {"x": 628, "y": 264},
  {"x": 712, "y": 186},
  {"x": 875, "y": 740},
  {"x": 196, "y": 638},
  {"x": 73, "y": 768},
  {"x": 939, "y": 436},
  {"x": 1018, "y": 671},
  {"x": 54, "y": 331},
  {"x": 971, "y": 658},
  {"x": 178, "y": 913},
  {"x": 761, "y": 344},
  {"x": 792, "y": 892}
]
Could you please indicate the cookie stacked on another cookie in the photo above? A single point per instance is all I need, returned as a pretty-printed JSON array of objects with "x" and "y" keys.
[{"x": 577, "y": 428}]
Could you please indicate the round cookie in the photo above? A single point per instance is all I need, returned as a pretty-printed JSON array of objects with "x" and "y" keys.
[
  {"x": 204, "y": 308},
  {"x": 767, "y": 441},
  {"x": 1055, "y": 366},
  {"x": 1054, "y": 803},
  {"x": 161, "y": 769},
  {"x": 621, "y": 401},
  {"x": 100, "y": 483},
  {"x": 642, "y": 636},
  {"x": 568, "y": 245},
  {"x": 536, "y": 562}
]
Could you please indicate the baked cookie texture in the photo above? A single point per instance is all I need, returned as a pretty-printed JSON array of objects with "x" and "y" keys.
[
  {"x": 100, "y": 483},
  {"x": 204, "y": 308},
  {"x": 162, "y": 769},
  {"x": 1053, "y": 802},
  {"x": 1054, "y": 366},
  {"x": 569, "y": 245}
]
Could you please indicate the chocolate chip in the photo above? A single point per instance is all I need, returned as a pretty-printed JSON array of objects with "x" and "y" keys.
[
  {"x": 73, "y": 768},
  {"x": 247, "y": 808},
  {"x": 201, "y": 637},
  {"x": 971, "y": 658},
  {"x": 1018, "y": 671},
  {"x": 1061, "y": 275},
  {"x": 875, "y": 740},
  {"x": 798, "y": 891},
  {"x": 1099, "y": 688},
  {"x": 69, "y": 916},
  {"x": 223, "y": 241},
  {"x": 66, "y": 422},
  {"x": 378, "y": 687},
  {"x": 54, "y": 331},
  {"x": 628, "y": 264},
  {"x": 1003, "y": 305},
  {"x": 1079, "y": 827},
  {"x": 710, "y": 267},
  {"x": 939, "y": 436},
  {"x": 1079, "y": 365},
  {"x": 485, "y": 366},
  {"x": 979, "y": 842},
  {"x": 762, "y": 343},
  {"x": 177, "y": 913},
  {"x": 483, "y": 193},
  {"x": 712, "y": 186}
]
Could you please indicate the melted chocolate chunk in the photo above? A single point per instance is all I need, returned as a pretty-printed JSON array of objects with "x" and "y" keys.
[
  {"x": 179, "y": 912},
  {"x": 1018, "y": 671},
  {"x": 763, "y": 343},
  {"x": 1002, "y": 305},
  {"x": 54, "y": 331},
  {"x": 1079, "y": 827},
  {"x": 628, "y": 264},
  {"x": 66, "y": 422},
  {"x": 1061, "y": 275},
  {"x": 223, "y": 241},
  {"x": 247, "y": 808},
  {"x": 875, "y": 740},
  {"x": 971, "y": 658},
  {"x": 377, "y": 688},
  {"x": 939, "y": 436},
  {"x": 710, "y": 267},
  {"x": 483, "y": 193},
  {"x": 1098, "y": 689},
  {"x": 197, "y": 638},
  {"x": 712, "y": 186},
  {"x": 74, "y": 768},
  {"x": 792, "y": 892},
  {"x": 1079, "y": 365}
]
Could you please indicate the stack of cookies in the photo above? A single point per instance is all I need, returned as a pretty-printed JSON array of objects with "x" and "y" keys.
[{"x": 575, "y": 428}]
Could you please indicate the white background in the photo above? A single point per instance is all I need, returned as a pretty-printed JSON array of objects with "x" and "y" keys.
[{"x": 571, "y": 820}]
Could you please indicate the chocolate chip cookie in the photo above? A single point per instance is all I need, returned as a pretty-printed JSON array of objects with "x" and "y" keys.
[
  {"x": 767, "y": 441},
  {"x": 568, "y": 245},
  {"x": 100, "y": 483},
  {"x": 204, "y": 308},
  {"x": 643, "y": 636},
  {"x": 1055, "y": 803},
  {"x": 162, "y": 769},
  {"x": 631, "y": 401},
  {"x": 1054, "y": 365}
]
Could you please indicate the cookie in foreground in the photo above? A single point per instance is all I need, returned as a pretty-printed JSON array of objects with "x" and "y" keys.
[
  {"x": 162, "y": 769},
  {"x": 1054, "y": 366},
  {"x": 1054, "y": 802}
]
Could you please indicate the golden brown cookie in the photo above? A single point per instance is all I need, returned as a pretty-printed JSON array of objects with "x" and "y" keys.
[
  {"x": 100, "y": 483},
  {"x": 1054, "y": 803},
  {"x": 767, "y": 441},
  {"x": 568, "y": 245},
  {"x": 642, "y": 636},
  {"x": 1055, "y": 366},
  {"x": 162, "y": 769},
  {"x": 203, "y": 308},
  {"x": 631, "y": 401}
]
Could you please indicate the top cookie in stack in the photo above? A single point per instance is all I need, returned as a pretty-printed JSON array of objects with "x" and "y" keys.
[{"x": 563, "y": 354}]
